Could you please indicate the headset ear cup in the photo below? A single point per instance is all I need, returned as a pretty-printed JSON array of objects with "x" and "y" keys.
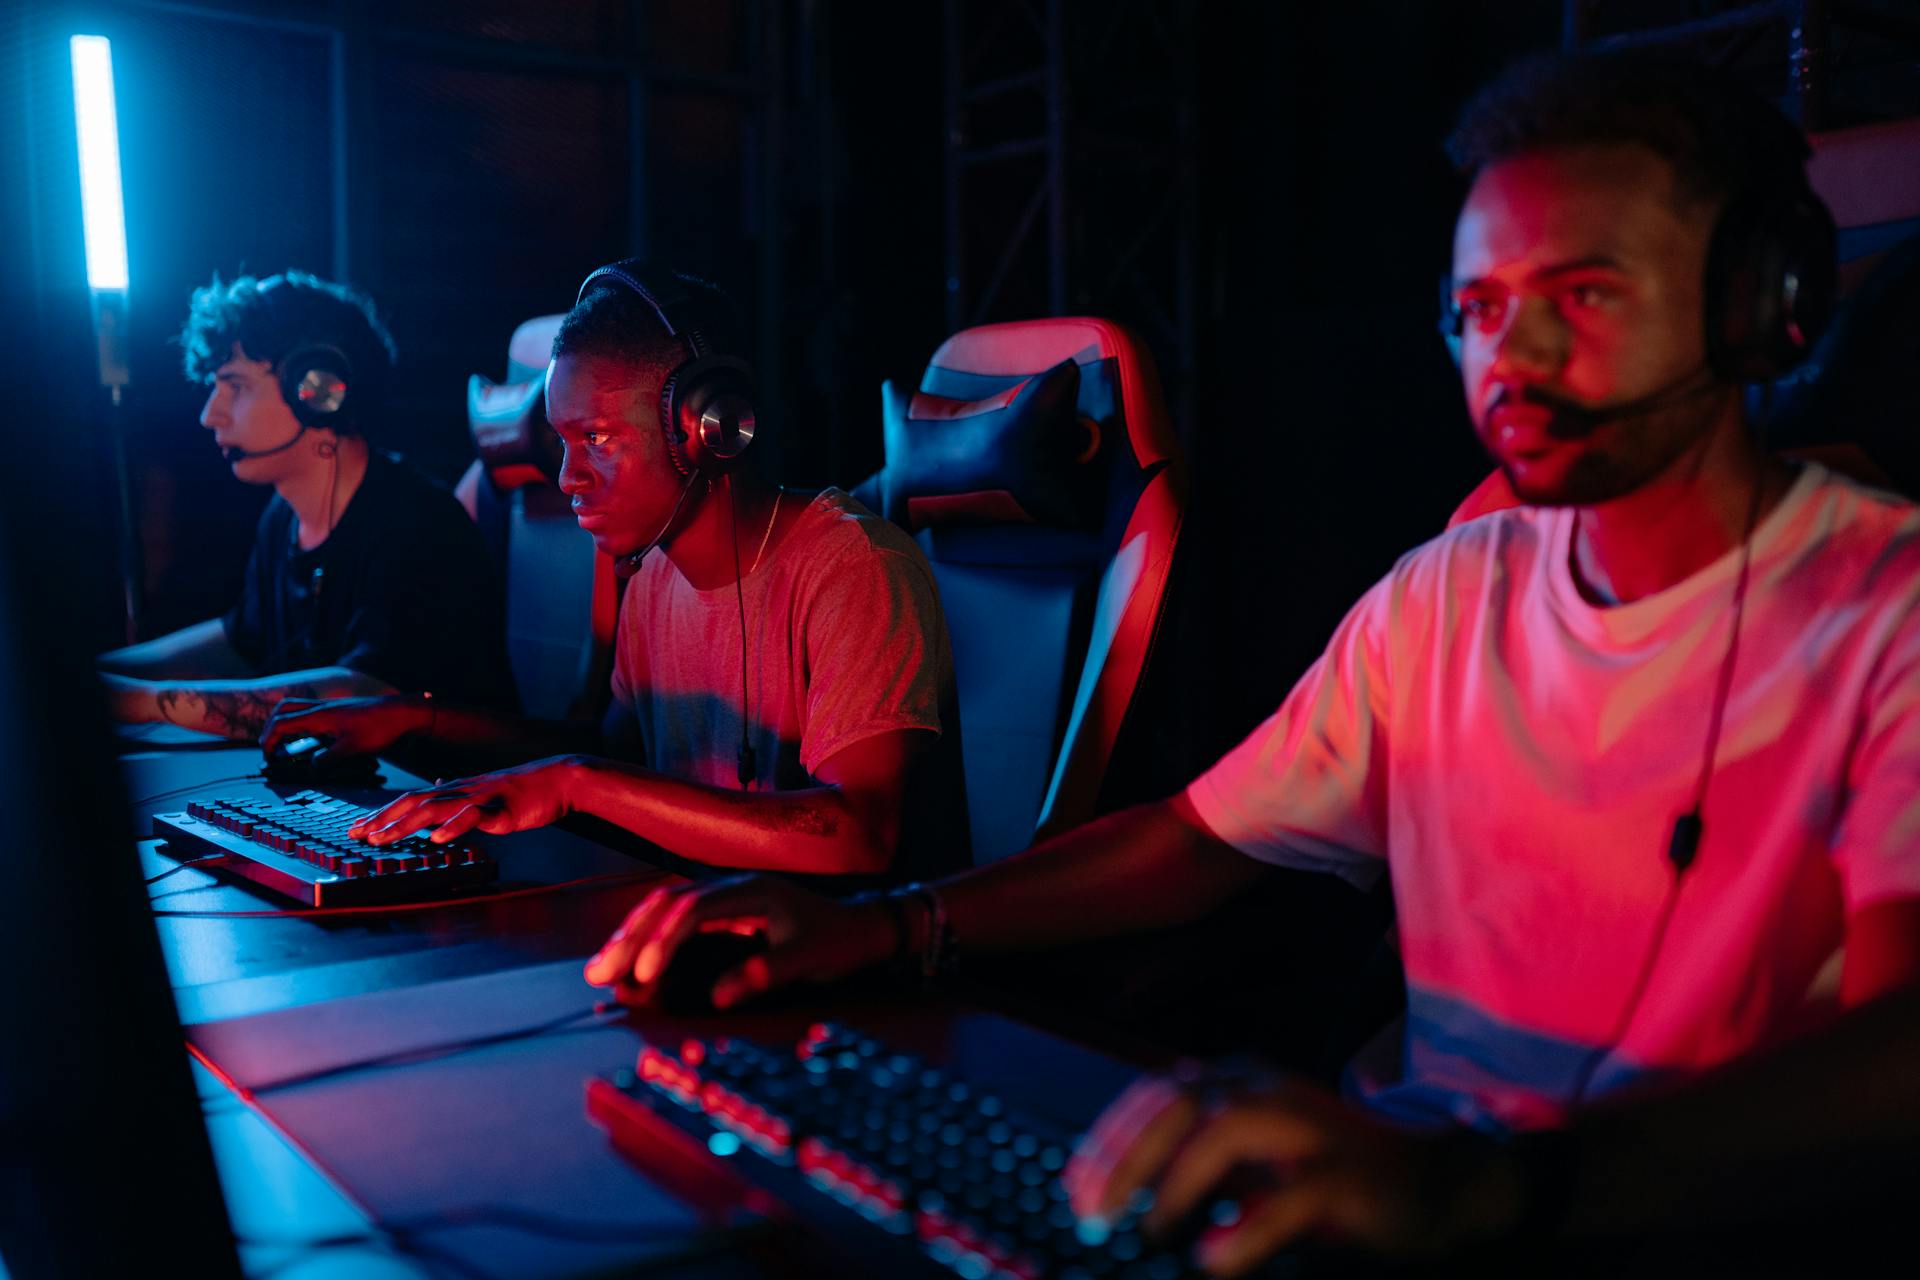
[
  {"x": 316, "y": 381},
  {"x": 1770, "y": 284},
  {"x": 708, "y": 414}
]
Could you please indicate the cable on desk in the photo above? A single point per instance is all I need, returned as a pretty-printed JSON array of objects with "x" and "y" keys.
[
  {"x": 204, "y": 782},
  {"x": 190, "y": 862},
  {"x": 382, "y": 908},
  {"x": 434, "y": 1052},
  {"x": 527, "y": 1221}
]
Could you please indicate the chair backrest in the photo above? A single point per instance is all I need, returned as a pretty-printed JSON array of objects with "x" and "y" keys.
[
  {"x": 1052, "y": 547},
  {"x": 562, "y": 597}
]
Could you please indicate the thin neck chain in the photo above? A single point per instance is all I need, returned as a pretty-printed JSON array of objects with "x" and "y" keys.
[{"x": 768, "y": 535}]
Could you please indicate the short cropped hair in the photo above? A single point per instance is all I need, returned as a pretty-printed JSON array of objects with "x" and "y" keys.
[
  {"x": 613, "y": 321},
  {"x": 271, "y": 318},
  {"x": 1721, "y": 138}
]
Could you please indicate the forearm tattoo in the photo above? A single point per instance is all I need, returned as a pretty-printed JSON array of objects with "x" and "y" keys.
[
  {"x": 231, "y": 713},
  {"x": 801, "y": 819}
]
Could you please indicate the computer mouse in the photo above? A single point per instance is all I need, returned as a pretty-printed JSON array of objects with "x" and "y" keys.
[
  {"x": 687, "y": 985},
  {"x": 306, "y": 762}
]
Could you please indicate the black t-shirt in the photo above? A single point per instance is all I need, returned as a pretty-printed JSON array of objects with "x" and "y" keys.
[{"x": 403, "y": 590}]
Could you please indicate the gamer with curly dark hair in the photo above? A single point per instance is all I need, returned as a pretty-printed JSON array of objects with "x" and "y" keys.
[{"x": 364, "y": 577}]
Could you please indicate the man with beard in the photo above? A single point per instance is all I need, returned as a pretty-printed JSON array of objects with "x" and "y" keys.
[{"x": 1640, "y": 756}]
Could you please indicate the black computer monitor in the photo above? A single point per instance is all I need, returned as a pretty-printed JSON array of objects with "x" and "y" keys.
[{"x": 105, "y": 1167}]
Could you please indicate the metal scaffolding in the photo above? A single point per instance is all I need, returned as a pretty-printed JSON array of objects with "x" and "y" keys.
[
  {"x": 1071, "y": 167},
  {"x": 1808, "y": 27}
]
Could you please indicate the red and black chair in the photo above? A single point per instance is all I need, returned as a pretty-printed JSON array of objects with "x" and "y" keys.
[{"x": 1037, "y": 468}]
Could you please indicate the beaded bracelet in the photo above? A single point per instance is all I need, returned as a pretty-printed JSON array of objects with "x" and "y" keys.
[
  {"x": 923, "y": 937},
  {"x": 939, "y": 953}
]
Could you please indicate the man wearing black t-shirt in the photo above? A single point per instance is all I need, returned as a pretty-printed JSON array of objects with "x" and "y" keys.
[{"x": 364, "y": 578}]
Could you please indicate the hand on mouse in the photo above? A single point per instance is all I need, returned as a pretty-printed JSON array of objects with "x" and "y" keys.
[
  {"x": 810, "y": 938},
  {"x": 352, "y": 726},
  {"x": 1322, "y": 1167}
]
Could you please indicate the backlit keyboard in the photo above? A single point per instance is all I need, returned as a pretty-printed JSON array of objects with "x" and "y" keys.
[
  {"x": 299, "y": 847},
  {"x": 920, "y": 1154}
]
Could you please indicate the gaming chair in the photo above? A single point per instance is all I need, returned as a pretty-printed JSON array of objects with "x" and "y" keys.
[
  {"x": 562, "y": 599},
  {"x": 1036, "y": 466}
]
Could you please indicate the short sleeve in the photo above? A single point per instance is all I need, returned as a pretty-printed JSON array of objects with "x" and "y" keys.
[
  {"x": 1308, "y": 788},
  {"x": 1877, "y": 846},
  {"x": 877, "y": 652}
]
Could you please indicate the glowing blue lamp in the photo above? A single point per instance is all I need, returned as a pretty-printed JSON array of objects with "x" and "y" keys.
[
  {"x": 99, "y": 132},
  {"x": 103, "y": 210}
]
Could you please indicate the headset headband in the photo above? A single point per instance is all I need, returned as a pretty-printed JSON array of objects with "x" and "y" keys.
[{"x": 663, "y": 298}]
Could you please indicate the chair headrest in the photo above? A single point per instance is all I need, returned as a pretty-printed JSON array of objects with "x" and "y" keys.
[
  {"x": 531, "y": 347},
  {"x": 1020, "y": 455},
  {"x": 992, "y": 354},
  {"x": 511, "y": 433},
  {"x": 509, "y": 419}
]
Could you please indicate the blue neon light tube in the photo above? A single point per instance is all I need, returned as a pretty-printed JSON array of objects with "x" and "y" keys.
[{"x": 98, "y": 129}]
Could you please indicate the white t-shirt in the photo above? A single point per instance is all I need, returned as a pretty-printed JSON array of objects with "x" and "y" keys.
[{"x": 1517, "y": 757}]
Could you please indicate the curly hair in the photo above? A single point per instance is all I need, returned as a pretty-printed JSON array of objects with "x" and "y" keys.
[
  {"x": 270, "y": 318},
  {"x": 1721, "y": 137}
]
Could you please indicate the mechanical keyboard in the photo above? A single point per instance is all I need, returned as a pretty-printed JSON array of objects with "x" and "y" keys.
[
  {"x": 299, "y": 847},
  {"x": 933, "y": 1165}
]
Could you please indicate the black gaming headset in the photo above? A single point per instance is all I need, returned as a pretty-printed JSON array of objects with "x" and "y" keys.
[
  {"x": 1772, "y": 269},
  {"x": 316, "y": 378},
  {"x": 1770, "y": 283},
  {"x": 707, "y": 403}
]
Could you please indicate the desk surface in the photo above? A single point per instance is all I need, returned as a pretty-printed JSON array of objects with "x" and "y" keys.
[{"x": 314, "y": 1147}]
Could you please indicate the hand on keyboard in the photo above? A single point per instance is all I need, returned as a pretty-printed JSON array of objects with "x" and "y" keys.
[
  {"x": 518, "y": 799},
  {"x": 1280, "y": 1160}
]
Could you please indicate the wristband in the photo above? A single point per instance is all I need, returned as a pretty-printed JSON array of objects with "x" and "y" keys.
[
  {"x": 939, "y": 954},
  {"x": 923, "y": 937},
  {"x": 896, "y": 912}
]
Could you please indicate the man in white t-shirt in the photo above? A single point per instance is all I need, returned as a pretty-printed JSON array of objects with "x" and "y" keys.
[{"x": 1640, "y": 756}]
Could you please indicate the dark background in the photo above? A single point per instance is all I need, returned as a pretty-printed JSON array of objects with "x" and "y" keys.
[{"x": 1257, "y": 187}]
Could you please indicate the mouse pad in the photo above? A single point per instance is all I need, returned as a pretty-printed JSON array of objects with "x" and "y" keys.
[
  {"x": 366, "y": 1087},
  {"x": 363, "y": 1087}
]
